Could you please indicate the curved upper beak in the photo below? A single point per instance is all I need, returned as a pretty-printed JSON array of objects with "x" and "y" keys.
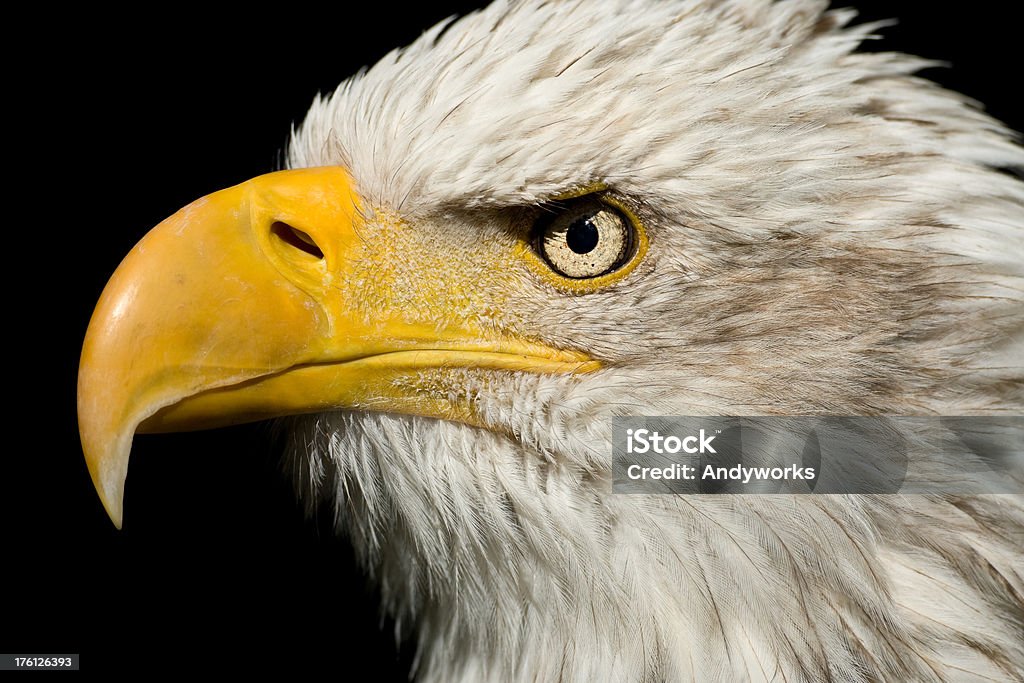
[{"x": 229, "y": 311}]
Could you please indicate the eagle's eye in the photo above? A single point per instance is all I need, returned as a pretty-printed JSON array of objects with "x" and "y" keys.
[{"x": 586, "y": 240}]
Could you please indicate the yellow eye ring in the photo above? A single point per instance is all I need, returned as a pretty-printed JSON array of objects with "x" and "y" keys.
[{"x": 594, "y": 241}]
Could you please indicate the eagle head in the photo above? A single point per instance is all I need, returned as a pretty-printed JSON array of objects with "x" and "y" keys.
[{"x": 547, "y": 214}]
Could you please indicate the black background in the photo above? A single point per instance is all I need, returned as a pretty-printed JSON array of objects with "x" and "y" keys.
[{"x": 216, "y": 565}]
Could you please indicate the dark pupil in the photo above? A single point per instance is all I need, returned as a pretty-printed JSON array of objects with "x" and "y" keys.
[{"x": 582, "y": 235}]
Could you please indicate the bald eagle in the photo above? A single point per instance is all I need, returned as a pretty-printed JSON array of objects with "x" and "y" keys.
[{"x": 546, "y": 215}]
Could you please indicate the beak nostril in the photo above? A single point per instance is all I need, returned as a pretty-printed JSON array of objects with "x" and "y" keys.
[{"x": 296, "y": 238}]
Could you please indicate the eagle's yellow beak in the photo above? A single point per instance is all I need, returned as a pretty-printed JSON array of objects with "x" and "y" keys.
[{"x": 233, "y": 310}]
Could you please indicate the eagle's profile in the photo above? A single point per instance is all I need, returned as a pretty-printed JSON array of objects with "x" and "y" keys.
[{"x": 550, "y": 213}]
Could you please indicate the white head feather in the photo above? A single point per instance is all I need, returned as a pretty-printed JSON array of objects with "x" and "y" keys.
[{"x": 830, "y": 234}]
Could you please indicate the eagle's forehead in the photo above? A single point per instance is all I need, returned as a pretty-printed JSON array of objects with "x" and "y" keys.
[{"x": 519, "y": 101}]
